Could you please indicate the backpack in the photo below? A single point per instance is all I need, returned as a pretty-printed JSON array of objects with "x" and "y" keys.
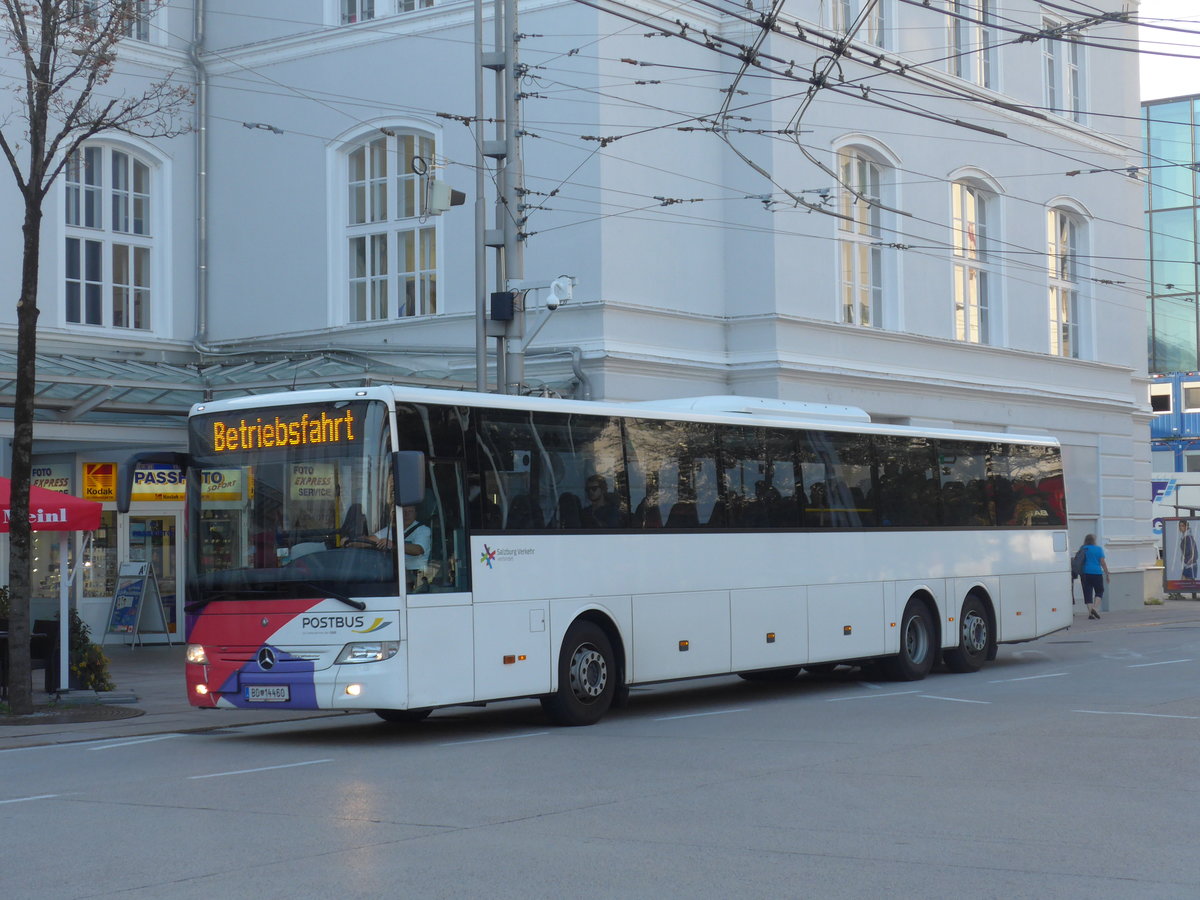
[{"x": 1077, "y": 561}]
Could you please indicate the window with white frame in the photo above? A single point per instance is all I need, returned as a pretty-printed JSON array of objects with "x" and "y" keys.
[
  {"x": 109, "y": 243},
  {"x": 874, "y": 27},
  {"x": 1063, "y": 234},
  {"x": 972, "y": 277},
  {"x": 391, "y": 247},
  {"x": 971, "y": 39},
  {"x": 1160, "y": 398},
  {"x": 137, "y": 26},
  {"x": 357, "y": 11},
  {"x": 1063, "y": 72},
  {"x": 860, "y": 235}
]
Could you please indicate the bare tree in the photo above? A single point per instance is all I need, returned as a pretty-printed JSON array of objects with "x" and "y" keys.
[{"x": 68, "y": 50}]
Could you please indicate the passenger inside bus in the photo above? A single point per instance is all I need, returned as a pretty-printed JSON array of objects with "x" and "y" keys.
[{"x": 602, "y": 510}]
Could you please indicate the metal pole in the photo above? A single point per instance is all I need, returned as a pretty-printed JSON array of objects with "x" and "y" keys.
[
  {"x": 514, "y": 261},
  {"x": 481, "y": 310}
]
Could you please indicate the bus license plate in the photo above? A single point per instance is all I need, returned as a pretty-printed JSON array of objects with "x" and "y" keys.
[{"x": 274, "y": 693}]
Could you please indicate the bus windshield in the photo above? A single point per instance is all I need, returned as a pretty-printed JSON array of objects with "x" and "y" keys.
[{"x": 289, "y": 502}]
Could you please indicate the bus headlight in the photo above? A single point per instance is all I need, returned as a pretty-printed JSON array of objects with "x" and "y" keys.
[
  {"x": 368, "y": 651},
  {"x": 195, "y": 654}
]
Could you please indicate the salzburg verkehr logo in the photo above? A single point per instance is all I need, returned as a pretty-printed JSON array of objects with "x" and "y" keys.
[{"x": 489, "y": 556}]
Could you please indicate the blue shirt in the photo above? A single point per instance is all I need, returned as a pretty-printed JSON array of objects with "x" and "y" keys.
[{"x": 1092, "y": 554}]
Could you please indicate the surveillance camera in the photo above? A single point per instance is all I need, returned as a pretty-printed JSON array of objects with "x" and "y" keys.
[{"x": 561, "y": 290}]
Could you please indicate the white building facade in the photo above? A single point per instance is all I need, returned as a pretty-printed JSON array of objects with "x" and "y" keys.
[{"x": 931, "y": 220}]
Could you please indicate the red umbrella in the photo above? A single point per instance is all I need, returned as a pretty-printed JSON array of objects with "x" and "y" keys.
[{"x": 50, "y": 510}]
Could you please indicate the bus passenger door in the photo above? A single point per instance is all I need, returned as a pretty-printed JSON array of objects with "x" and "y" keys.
[{"x": 440, "y": 638}]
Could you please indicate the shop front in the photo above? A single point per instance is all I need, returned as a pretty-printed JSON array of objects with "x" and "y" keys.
[{"x": 152, "y": 532}]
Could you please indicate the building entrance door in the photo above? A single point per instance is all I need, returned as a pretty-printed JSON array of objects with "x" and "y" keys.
[{"x": 154, "y": 539}]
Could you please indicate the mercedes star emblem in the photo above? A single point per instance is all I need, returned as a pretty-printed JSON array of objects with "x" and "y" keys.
[{"x": 266, "y": 658}]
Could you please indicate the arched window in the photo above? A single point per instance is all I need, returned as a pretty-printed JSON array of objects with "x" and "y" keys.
[
  {"x": 972, "y": 209},
  {"x": 109, "y": 249},
  {"x": 1063, "y": 231},
  {"x": 860, "y": 236},
  {"x": 391, "y": 246}
]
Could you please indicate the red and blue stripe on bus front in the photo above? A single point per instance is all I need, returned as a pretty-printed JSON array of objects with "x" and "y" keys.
[{"x": 234, "y": 635}]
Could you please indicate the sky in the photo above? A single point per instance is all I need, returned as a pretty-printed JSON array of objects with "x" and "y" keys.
[{"x": 1164, "y": 76}]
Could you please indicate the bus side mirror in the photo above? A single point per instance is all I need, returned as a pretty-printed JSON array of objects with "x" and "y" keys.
[
  {"x": 408, "y": 470},
  {"x": 126, "y": 472}
]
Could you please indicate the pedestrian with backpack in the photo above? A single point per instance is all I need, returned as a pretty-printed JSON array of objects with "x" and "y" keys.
[{"x": 1093, "y": 572}]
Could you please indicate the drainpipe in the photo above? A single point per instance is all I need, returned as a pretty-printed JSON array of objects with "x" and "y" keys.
[{"x": 195, "y": 52}]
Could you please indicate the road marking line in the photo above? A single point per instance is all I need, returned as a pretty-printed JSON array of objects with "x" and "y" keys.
[
  {"x": 716, "y": 712},
  {"x": 868, "y": 684},
  {"x": 311, "y": 762},
  {"x": 27, "y": 799},
  {"x": 871, "y": 696},
  {"x": 954, "y": 699},
  {"x": 1163, "y": 663},
  {"x": 509, "y": 737},
  {"x": 1102, "y": 712},
  {"x": 145, "y": 740},
  {"x": 1027, "y": 678}
]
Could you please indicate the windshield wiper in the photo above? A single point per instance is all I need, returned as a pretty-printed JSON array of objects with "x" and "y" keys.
[{"x": 325, "y": 591}]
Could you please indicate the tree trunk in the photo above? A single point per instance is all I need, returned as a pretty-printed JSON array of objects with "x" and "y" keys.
[{"x": 20, "y": 680}]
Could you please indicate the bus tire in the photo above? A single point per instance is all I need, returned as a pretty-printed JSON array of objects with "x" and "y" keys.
[
  {"x": 587, "y": 677},
  {"x": 771, "y": 676},
  {"x": 975, "y": 638},
  {"x": 403, "y": 715},
  {"x": 915, "y": 658}
]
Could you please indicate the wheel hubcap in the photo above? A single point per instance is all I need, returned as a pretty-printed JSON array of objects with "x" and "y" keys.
[
  {"x": 916, "y": 641},
  {"x": 589, "y": 673},
  {"x": 974, "y": 632}
]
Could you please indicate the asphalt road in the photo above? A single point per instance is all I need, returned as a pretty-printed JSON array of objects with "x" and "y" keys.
[{"x": 1068, "y": 768}]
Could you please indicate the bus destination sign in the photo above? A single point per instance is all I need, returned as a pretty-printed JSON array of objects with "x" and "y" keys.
[{"x": 292, "y": 428}]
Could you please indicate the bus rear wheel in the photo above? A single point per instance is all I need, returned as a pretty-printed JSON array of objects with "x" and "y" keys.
[
  {"x": 974, "y": 638},
  {"x": 915, "y": 658},
  {"x": 403, "y": 715},
  {"x": 587, "y": 677}
]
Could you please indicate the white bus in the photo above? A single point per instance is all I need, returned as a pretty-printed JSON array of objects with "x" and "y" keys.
[{"x": 566, "y": 550}]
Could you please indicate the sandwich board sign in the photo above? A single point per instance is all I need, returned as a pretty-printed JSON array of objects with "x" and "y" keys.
[{"x": 136, "y": 604}]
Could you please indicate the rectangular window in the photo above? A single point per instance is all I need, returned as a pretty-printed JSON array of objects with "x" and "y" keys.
[
  {"x": 1160, "y": 398},
  {"x": 138, "y": 24},
  {"x": 410, "y": 5},
  {"x": 131, "y": 286},
  {"x": 368, "y": 278},
  {"x": 417, "y": 274},
  {"x": 971, "y": 295},
  {"x": 1190, "y": 391},
  {"x": 860, "y": 234},
  {"x": 1063, "y": 67},
  {"x": 971, "y": 54},
  {"x": 416, "y": 154},
  {"x": 357, "y": 11},
  {"x": 1064, "y": 291},
  {"x": 368, "y": 183},
  {"x": 873, "y": 29},
  {"x": 85, "y": 281}
]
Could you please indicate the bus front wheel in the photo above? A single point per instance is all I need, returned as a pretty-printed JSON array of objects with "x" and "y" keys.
[
  {"x": 975, "y": 639},
  {"x": 587, "y": 677},
  {"x": 915, "y": 658}
]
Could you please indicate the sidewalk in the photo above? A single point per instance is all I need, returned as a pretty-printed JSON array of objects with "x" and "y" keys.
[
  {"x": 150, "y": 696},
  {"x": 150, "y": 681}
]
